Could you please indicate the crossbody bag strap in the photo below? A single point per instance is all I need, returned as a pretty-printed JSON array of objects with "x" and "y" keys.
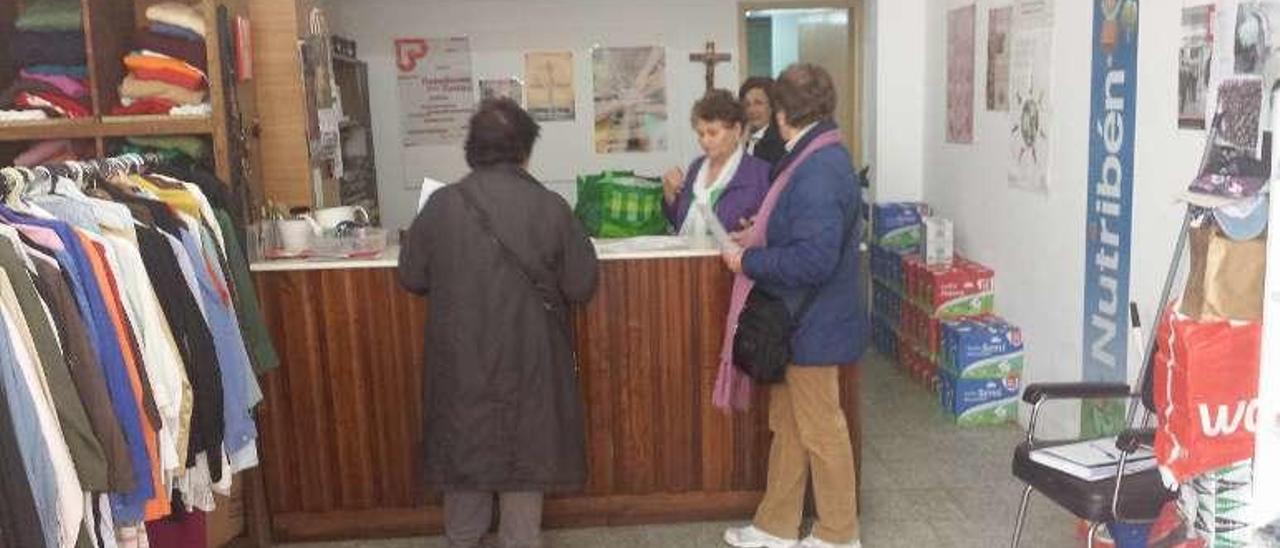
[{"x": 551, "y": 300}]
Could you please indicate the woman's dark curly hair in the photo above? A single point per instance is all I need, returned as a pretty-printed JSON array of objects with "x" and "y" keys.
[{"x": 500, "y": 133}]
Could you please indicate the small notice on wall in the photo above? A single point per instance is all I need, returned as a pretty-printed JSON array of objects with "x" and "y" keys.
[
  {"x": 999, "y": 27},
  {"x": 1030, "y": 67},
  {"x": 960, "y": 45},
  {"x": 509, "y": 88},
  {"x": 1194, "y": 61},
  {"x": 437, "y": 94},
  {"x": 550, "y": 92}
]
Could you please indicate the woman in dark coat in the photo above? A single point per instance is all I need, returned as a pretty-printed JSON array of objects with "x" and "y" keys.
[
  {"x": 503, "y": 409},
  {"x": 763, "y": 139}
]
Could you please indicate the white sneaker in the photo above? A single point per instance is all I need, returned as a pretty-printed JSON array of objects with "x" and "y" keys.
[
  {"x": 815, "y": 542},
  {"x": 750, "y": 537}
]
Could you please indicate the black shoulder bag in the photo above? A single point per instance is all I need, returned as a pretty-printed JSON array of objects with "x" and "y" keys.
[
  {"x": 551, "y": 298},
  {"x": 762, "y": 341}
]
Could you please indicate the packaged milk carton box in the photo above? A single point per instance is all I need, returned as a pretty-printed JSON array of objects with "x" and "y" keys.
[
  {"x": 898, "y": 225},
  {"x": 939, "y": 241},
  {"x": 984, "y": 349},
  {"x": 961, "y": 290},
  {"x": 979, "y": 402}
]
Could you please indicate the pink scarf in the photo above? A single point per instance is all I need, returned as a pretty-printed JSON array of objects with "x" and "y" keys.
[{"x": 733, "y": 388}]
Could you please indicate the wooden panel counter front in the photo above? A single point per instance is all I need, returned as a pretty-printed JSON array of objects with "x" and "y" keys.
[{"x": 341, "y": 423}]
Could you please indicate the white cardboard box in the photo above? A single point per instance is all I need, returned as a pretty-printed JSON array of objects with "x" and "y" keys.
[{"x": 939, "y": 241}]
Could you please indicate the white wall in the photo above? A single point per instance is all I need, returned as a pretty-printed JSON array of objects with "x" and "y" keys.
[
  {"x": 501, "y": 31},
  {"x": 1036, "y": 242},
  {"x": 898, "y": 61}
]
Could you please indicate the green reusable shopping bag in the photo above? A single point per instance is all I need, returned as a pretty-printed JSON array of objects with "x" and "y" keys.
[{"x": 617, "y": 204}]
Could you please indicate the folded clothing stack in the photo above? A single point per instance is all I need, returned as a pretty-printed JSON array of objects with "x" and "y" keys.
[
  {"x": 168, "y": 65},
  {"x": 48, "y": 48}
]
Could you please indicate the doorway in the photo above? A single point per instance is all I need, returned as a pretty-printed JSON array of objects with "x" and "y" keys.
[{"x": 828, "y": 34}]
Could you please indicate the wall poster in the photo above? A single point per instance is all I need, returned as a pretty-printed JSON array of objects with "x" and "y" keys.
[
  {"x": 1195, "y": 57},
  {"x": 630, "y": 99},
  {"x": 1030, "y": 71},
  {"x": 437, "y": 93},
  {"x": 511, "y": 88},
  {"x": 549, "y": 91},
  {"x": 1109, "y": 218},
  {"x": 999, "y": 29},
  {"x": 960, "y": 67}
]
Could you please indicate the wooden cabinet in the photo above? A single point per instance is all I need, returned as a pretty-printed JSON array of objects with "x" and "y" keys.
[{"x": 341, "y": 424}]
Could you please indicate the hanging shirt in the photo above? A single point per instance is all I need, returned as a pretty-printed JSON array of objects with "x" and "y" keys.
[
  {"x": 707, "y": 192},
  {"x": 128, "y": 507},
  {"x": 36, "y": 460},
  {"x": 86, "y": 451},
  {"x": 70, "y": 502}
]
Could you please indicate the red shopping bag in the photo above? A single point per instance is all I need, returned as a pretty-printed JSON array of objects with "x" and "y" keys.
[{"x": 1206, "y": 394}]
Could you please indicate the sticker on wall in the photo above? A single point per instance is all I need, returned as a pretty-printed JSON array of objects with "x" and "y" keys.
[
  {"x": 511, "y": 88},
  {"x": 1030, "y": 70},
  {"x": 437, "y": 94},
  {"x": 999, "y": 32},
  {"x": 550, "y": 91},
  {"x": 960, "y": 52},
  {"x": 630, "y": 98},
  {"x": 1109, "y": 218},
  {"x": 1194, "y": 60}
]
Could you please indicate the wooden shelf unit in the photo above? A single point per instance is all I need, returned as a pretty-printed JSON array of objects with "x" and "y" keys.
[{"x": 109, "y": 27}]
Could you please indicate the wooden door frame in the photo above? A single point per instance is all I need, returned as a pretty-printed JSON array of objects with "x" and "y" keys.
[{"x": 857, "y": 25}]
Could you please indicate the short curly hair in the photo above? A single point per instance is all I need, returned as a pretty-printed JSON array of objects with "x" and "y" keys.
[
  {"x": 805, "y": 93},
  {"x": 718, "y": 105},
  {"x": 500, "y": 132}
]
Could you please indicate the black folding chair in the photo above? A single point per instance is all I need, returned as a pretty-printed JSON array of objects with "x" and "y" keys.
[{"x": 1130, "y": 497}]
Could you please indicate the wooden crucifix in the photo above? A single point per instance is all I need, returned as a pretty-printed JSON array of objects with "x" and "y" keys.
[{"x": 710, "y": 57}]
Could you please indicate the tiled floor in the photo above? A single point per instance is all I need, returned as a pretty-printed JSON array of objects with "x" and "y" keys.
[{"x": 926, "y": 484}]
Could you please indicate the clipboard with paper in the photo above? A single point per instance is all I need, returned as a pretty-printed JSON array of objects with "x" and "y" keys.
[{"x": 718, "y": 233}]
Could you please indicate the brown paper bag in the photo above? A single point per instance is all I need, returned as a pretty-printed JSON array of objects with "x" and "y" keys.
[
  {"x": 1233, "y": 278},
  {"x": 1193, "y": 293}
]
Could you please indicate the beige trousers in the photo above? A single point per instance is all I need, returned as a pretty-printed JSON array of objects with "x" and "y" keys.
[{"x": 810, "y": 436}]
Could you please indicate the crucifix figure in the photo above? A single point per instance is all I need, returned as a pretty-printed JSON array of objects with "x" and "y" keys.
[{"x": 710, "y": 58}]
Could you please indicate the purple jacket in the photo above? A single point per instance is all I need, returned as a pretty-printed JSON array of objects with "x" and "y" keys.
[{"x": 740, "y": 199}]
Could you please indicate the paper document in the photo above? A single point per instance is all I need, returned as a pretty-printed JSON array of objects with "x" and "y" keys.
[
  {"x": 723, "y": 240},
  {"x": 429, "y": 186},
  {"x": 1092, "y": 460}
]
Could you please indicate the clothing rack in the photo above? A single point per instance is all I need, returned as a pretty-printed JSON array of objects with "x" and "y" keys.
[{"x": 78, "y": 170}]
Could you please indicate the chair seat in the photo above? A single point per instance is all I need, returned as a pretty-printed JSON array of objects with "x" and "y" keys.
[{"x": 1142, "y": 494}]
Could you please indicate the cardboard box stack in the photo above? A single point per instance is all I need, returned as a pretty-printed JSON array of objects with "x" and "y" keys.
[{"x": 935, "y": 318}]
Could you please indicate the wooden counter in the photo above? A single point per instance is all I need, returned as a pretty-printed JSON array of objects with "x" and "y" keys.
[{"x": 341, "y": 424}]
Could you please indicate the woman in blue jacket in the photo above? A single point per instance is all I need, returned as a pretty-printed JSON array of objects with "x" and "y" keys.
[{"x": 805, "y": 223}]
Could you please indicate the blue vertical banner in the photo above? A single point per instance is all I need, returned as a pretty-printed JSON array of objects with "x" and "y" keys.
[{"x": 1110, "y": 207}]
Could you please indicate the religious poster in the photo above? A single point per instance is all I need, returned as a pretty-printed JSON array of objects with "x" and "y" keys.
[
  {"x": 630, "y": 98},
  {"x": 999, "y": 28},
  {"x": 1030, "y": 71},
  {"x": 960, "y": 48},
  {"x": 510, "y": 88},
  {"x": 437, "y": 94},
  {"x": 549, "y": 92},
  {"x": 1194, "y": 60},
  {"x": 1109, "y": 214}
]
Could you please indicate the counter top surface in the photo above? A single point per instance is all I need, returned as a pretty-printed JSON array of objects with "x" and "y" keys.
[{"x": 648, "y": 247}]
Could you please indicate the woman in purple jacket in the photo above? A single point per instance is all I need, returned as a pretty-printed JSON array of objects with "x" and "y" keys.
[{"x": 729, "y": 182}]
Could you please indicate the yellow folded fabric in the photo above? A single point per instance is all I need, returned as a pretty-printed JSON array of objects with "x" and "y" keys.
[
  {"x": 178, "y": 15},
  {"x": 136, "y": 88}
]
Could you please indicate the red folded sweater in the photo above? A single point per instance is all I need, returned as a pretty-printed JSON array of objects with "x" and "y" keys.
[
  {"x": 147, "y": 105},
  {"x": 56, "y": 102}
]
